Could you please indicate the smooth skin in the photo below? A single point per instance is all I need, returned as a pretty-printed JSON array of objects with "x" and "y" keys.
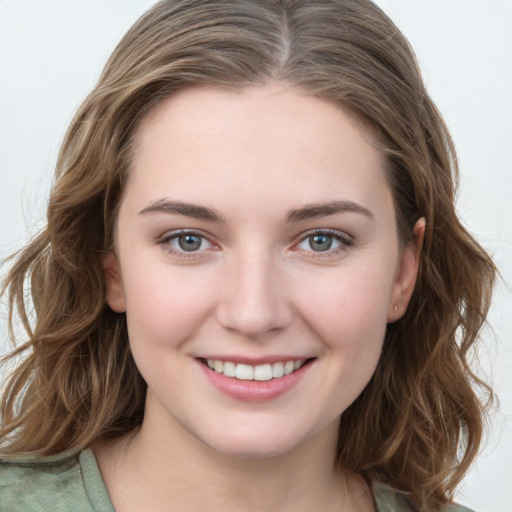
[{"x": 254, "y": 224}]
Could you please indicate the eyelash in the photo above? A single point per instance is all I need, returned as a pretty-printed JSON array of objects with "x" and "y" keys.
[
  {"x": 168, "y": 238},
  {"x": 343, "y": 239}
]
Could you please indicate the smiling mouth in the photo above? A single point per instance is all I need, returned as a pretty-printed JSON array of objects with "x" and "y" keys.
[{"x": 262, "y": 372}]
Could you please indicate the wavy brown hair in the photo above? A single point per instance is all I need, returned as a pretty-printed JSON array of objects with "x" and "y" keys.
[{"x": 418, "y": 424}]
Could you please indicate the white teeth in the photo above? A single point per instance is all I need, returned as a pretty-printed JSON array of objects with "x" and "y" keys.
[
  {"x": 229, "y": 369},
  {"x": 244, "y": 372},
  {"x": 277, "y": 370},
  {"x": 263, "y": 372},
  {"x": 260, "y": 372},
  {"x": 289, "y": 366}
]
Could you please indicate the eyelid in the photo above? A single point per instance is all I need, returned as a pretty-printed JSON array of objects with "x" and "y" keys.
[
  {"x": 343, "y": 238},
  {"x": 165, "y": 242}
]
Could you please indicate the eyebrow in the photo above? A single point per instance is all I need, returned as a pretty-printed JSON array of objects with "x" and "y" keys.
[
  {"x": 180, "y": 208},
  {"x": 312, "y": 211}
]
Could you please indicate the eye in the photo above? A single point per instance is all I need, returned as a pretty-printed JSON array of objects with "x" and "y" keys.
[
  {"x": 320, "y": 242},
  {"x": 186, "y": 242},
  {"x": 324, "y": 241}
]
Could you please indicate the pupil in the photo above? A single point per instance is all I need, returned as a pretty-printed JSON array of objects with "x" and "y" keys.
[
  {"x": 189, "y": 242},
  {"x": 320, "y": 242}
]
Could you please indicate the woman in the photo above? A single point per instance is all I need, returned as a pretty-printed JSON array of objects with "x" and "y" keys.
[{"x": 249, "y": 292}]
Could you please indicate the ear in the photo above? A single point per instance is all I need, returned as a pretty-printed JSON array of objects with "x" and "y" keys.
[
  {"x": 113, "y": 282},
  {"x": 407, "y": 272}
]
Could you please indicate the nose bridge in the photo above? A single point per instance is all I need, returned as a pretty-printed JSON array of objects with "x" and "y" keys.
[{"x": 255, "y": 301}]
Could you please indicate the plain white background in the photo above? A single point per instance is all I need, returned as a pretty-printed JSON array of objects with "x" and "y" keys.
[{"x": 52, "y": 51}]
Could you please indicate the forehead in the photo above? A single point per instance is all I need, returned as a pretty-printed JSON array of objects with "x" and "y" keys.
[{"x": 269, "y": 140}]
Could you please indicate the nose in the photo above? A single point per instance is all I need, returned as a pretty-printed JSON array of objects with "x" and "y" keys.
[{"x": 254, "y": 301}]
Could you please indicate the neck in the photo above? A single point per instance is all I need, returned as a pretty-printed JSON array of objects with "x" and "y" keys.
[{"x": 164, "y": 467}]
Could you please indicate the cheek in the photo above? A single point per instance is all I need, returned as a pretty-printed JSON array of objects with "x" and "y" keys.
[
  {"x": 348, "y": 312},
  {"x": 164, "y": 306},
  {"x": 348, "y": 302}
]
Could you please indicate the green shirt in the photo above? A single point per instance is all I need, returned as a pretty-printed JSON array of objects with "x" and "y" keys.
[{"x": 73, "y": 483}]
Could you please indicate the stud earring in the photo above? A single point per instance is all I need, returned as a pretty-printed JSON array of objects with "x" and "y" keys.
[{"x": 396, "y": 308}]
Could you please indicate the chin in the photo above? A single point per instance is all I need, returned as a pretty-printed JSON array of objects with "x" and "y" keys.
[
  {"x": 248, "y": 449},
  {"x": 265, "y": 441}
]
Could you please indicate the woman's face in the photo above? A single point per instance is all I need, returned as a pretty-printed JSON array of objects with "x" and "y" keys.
[{"x": 258, "y": 264}]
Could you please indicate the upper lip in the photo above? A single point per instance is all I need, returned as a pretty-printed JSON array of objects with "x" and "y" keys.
[{"x": 256, "y": 361}]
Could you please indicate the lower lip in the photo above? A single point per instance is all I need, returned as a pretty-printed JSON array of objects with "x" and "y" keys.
[{"x": 254, "y": 390}]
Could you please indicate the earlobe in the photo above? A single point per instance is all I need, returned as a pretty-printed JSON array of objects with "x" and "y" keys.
[
  {"x": 407, "y": 273},
  {"x": 114, "y": 285}
]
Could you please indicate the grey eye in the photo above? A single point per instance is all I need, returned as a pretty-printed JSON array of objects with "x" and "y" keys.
[
  {"x": 189, "y": 242},
  {"x": 324, "y": 242},
  {"x": 320, "y": 242},
  {"x": 182, "y": 242}
]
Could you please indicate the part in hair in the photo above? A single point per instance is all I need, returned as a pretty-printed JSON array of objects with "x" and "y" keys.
[{"x": 418, "y": 424}]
